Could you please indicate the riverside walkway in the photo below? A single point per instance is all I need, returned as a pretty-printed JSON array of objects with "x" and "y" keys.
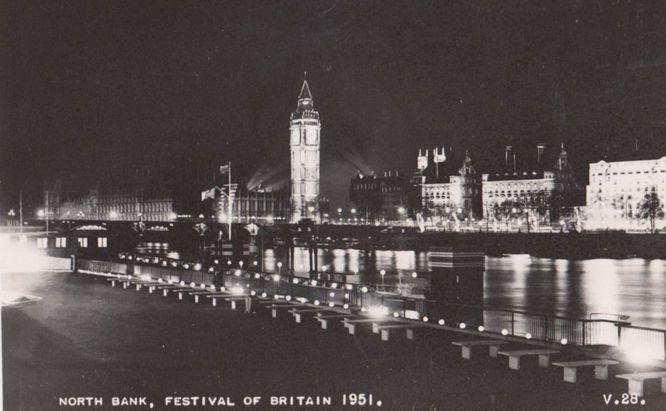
[
  {"x": 385, "y": 323},
  {"x": 88, "y": 337}
]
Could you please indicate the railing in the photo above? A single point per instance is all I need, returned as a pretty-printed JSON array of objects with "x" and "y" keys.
[{"x": 648, "y": 342}]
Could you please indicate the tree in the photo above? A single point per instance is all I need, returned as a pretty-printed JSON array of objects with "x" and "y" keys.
[{"x": 650, "y": 208}]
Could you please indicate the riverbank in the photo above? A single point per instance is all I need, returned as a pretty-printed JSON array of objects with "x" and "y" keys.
[{"x": 87, "y": 338}]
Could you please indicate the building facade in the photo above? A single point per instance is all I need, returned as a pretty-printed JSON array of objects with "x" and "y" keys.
[
  {"x": 616, "y": 189},
  {"x": 304, "y": 130},
  {"x": 257, "y": 206},
  {"x": 455, "y": 195},
  {"x": 536, "y": 188},
  {"x": 380, "y": 198},
  {"x": 118, "y": 206}
]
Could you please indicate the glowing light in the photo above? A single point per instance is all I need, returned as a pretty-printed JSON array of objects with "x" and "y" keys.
[
  {"x": 334, "y": 285},
  {"x": 349, "y": 286},
  {"x": 217, "y": 261},
  {"x": 253, "y": 293},
  {"x": 197, "y": 267},
  {"x": 237, "y": 290},
  {"x": 414, "y": 275},
  {"x": 462, "y": 325},
  {"x": 564, "y": 341},
  {"x": 347, "y": 296},
  {"x": 237, "y": 273},
  {"x": 505, "y": 331},
  {"x": 345, "y": 306},
  {"x": 316, "y": 302},
  {"x": 440, "y": 322},
  {"x": 425, "y": 319},
  {"x": 223, "y": 288},
  {"x": 288, "y": 298},
  {"x": 263, "y": 295},
  {"x": 276, "y": 278},
  {"x": 331, "y": 294},
  {"x": 378, "y": 311},
  {"x": 364, "y": 289},
  {"x": 481, "y": 328},
  {"x": 528, "y": 336},
  {"x": 396, "y": 314},
  {"x": 382, "y": 272},
  {"x": 313, "y": 282},
  {"x": 228, "y": 262},
  {"x": 295, "y": 281},
  {"x": 210, "y": 270},
  {"x": 256, "y": 276},
  {"x": 255, "y": 263},
  {"x": 363, "y": 309},
  {"x": 331, "y": 304}
]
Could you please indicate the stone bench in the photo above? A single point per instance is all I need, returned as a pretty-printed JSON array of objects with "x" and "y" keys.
[
  {"x": 466, "y": 347},
  {"x": 274, "y": 307},
  {"x": 215, "y": 297},
  {"x": 514, "y": 356},
  {"x": 298, "y": 313},
  {"x": 181, "y": 290},
  {"x": 325, "y": 319},
  {"x": 571, "y": 368},
  {"x": 351, "y": 323},
  {"x": 197, "y": 294},
  {"x": 245, "y": 298},
  {"x": 385, "y": 330},
  {"x": 636, "y": 380}
]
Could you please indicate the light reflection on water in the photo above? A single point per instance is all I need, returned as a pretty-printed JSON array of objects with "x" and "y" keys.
[{"x": 634, "y": 287}]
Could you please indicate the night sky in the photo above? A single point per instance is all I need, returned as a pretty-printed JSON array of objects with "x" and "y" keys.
[{"x": 91, "y": 90}]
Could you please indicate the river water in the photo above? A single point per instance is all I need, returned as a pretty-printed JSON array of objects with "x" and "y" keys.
[{"x": 576, "y": 288}]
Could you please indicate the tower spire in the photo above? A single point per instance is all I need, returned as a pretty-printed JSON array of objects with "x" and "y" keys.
[{"x": 305, "y": 93}]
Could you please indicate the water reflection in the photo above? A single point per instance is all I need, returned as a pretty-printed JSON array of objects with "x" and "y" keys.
[{"x": 633, "y": 287}]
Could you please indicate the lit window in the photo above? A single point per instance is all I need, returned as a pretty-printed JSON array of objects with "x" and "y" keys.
[
  {"x": 61, "y": 242},
  {"x": 101, "y": 242},
  {"x": 83, "y": 242},
  {"x": 42, "y": 242}
]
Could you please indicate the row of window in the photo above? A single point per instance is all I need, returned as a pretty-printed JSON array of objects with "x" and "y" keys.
[
  {"x": 61, "y": 242},
  {"x": 630, "y": 172}
]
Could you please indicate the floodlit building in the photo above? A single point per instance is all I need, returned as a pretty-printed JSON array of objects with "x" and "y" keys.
[
  {"x": 617, "y": 188},
  {"x": 457, "y": 194},
  {"x": 537, "y": 181},
  {"x": 254, "y": 206},
  {"x": 116, "y": 206},
  {"x": 304, "y": 143}
]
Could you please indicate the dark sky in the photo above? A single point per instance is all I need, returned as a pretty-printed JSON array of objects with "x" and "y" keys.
[{"x": 90, "y": 90}]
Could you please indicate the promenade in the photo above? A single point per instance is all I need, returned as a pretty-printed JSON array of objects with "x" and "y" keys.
[{"x": 86, "y": 338}]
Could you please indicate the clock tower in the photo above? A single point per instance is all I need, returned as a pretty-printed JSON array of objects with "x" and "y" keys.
[{"x": 304, "y": 143}]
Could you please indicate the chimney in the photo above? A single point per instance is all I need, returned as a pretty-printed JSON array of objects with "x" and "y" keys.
[
  {"x": 540, "y": 148},
  {"x": 507, "y": 156},
  {"x": 514, "y": 162}
]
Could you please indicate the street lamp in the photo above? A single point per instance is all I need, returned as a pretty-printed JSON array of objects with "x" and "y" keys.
[
  {"x": 382, "y": 273},
  {"x": 279, "y": 265}
]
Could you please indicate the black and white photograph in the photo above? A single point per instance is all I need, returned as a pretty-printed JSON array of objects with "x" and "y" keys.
[{"x": 333, "y": 205}]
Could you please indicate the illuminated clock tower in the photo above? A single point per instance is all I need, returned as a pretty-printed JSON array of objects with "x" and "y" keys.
[{"x": 304, "y": 143}]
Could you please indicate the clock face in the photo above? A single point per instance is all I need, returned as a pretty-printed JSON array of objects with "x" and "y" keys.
[{"x": 311, "y": 136}]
